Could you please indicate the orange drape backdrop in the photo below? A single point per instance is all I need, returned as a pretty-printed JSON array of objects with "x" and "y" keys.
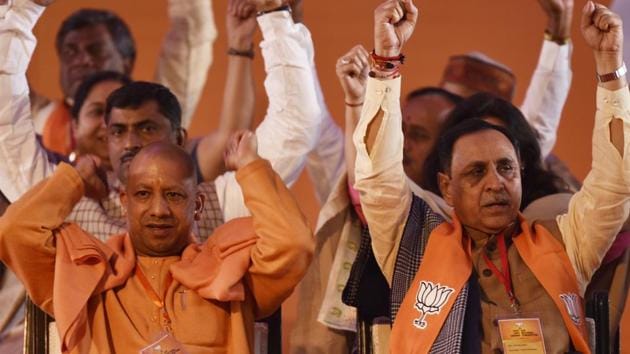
[{"x": 509, "y": 31}]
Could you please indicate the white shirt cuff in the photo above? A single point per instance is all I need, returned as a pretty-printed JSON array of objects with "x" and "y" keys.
[
  {"x": 555, "y": 57},
  {"x": 275, "y": 22}
]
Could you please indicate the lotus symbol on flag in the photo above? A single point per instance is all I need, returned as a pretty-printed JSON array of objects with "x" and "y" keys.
[{"x": 429, "y": 301}]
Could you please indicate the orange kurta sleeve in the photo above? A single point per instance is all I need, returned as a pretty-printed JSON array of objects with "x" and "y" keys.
[
  {"x": 285, "y": 245},
  {"x": 27, "y": 245}
]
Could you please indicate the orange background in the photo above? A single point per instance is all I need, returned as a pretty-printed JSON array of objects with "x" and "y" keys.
[{"x": 509, "y": 31}]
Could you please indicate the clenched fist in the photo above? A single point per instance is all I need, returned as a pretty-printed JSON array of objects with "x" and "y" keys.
[
  {"x": 352, "y": 71},
  {"x": 603, "y": 32},
  {"x": 242, "y": 148},
  {"x": 559, "y": 17},
  {"x": 602, "y": 28},
  {"x": 240, "y": 24},
  {"x": 93, "y": 175},
  {"x": 394, "y": 22}
]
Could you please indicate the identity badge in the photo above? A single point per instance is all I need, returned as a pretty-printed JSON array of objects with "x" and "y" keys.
[
  {"x": 522, "y": 335},
  {"x": 165, "y": 344}
]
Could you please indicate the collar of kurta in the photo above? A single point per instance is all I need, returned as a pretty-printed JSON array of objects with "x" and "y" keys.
[
  {"x": 86, "y": 267},
  {"x": 446, "y": 268}
]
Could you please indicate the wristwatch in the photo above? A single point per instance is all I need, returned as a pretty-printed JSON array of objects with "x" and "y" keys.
[{"x": 621, "y": 71}]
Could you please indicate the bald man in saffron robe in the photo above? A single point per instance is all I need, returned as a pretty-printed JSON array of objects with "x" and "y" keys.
[{"x": 155, "y": 289}]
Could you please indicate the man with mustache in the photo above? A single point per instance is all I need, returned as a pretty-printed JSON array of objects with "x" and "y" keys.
[
  {"x": 92, "y": 40},
  {"x": 153, "y": 287},
  {"x": 467, "y": 285},
  {"x": 285, "y": 136},
  {"x": 141, "y": 113}
]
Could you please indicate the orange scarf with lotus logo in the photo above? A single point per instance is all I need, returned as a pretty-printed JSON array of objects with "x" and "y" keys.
[{"x": 446, "y": 267}]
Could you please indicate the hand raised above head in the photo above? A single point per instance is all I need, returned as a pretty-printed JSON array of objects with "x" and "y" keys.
[
  {"x": 559, "y": 16},
  {"x": 601, "y": 28},
  {"x": 394, "y": 22},
  {"x": 241, "y": 149},
  {"x": 90, "y": 168},
  {"x": 352, "y": 71},
  {"x": 240, "y": 24},
  {"x": 603, "y": 32}
]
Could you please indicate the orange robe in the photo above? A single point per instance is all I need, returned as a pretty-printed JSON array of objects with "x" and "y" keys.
[{"x": 101, "y": 306}]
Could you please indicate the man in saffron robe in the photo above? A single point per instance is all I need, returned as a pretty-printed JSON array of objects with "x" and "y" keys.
[
  {"x": 154, "y": 287},
  {"x": 463, "y": 281}
]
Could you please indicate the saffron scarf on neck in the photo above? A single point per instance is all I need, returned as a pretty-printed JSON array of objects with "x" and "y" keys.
[
  {"x": 85, "y": 267},
  {"x": 444, "y": 273}
]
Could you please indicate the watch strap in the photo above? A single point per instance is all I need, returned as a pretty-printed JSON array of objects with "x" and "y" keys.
[{"x": 621, "y": 71}]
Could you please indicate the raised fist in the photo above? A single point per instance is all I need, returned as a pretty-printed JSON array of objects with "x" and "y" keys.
[
  {"x": 241, "y": 24},
  {"x": 242, "y": 148},
  {"x": 93, "y": 175},
  {"x": 559, "y": 16},
  {"x": 394, "y": 22},
  {"x": 602, "y": 28},
  {"x": 352, "y": 70}
]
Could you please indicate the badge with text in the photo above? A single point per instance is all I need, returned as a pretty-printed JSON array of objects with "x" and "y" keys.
[
  {"x": 165, "y": 344},
  {"x": 522, "y": 335}
]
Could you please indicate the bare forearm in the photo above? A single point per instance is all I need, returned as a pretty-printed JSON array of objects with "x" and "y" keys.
[{"x": 239, "y": 98}]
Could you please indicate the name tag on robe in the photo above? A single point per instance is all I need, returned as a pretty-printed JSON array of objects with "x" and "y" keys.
[
  {"x": 522, "y": 335},
  {"x": 165, "y": 344}
]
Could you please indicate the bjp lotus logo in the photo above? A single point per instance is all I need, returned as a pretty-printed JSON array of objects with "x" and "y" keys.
[
  {"x": 572, "y": 304},
  {"x": 429, "y": 301}
]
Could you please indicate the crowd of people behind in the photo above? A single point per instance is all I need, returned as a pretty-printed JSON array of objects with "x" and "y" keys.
[{"x": 446, "y": 223}]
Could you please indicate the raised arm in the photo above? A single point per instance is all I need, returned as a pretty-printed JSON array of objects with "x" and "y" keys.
[
  {"x": 334, "y": 153},
  {"x": 290, "y": 128},
  {"x": 597, "y": 212},
  {"x": 283, "y": 251},
  {"x": 325, "y": 164},
  {"x": 237, "y": 109},
  {"x": 27, "y": 229},
  {"x": 549, "y": 87},
  {"x": 380, "y": 177},
  {"x": 24, "y": 162},
  {"x": 186, "y": 52},
  {"x": 352, "y": 71}
]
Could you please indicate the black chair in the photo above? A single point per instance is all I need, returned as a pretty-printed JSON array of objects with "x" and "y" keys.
[
  {"x": 36, "y": 339},
  {"x": 273, "y": 325},
  {"x": 597, "y": 309}
]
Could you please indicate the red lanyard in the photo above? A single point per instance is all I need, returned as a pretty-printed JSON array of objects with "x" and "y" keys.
[
  {"x": 504, "y": 276},
  {"x": 155, "y": 298}
]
